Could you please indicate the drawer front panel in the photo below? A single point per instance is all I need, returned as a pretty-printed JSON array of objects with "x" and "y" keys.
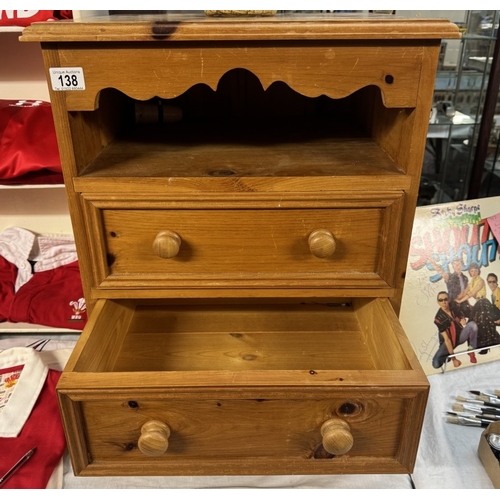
[
  {"x": 205, "y": 433},
  {"x": 243, "y": 247}
]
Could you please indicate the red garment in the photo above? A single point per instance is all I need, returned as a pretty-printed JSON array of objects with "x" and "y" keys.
[
  {"x": 27, "y": 138},
  {"x": 51, "y": 298},
  {"x": 42, "y": 430},
  {"x": 24, "y": 18},
  {"x": 8, "y": 275}
]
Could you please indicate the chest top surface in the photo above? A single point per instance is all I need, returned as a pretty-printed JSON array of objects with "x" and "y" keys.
[{"x": 282, "y": 27}]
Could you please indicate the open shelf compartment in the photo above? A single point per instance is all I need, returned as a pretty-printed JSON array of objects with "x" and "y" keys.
[{"x": 240, "y": 131}]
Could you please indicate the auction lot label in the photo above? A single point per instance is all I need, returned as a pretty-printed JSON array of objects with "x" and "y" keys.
[{"x": 67, "y": 79}]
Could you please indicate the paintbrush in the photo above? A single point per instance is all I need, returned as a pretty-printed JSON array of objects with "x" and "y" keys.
[
  {"x": 468, "y": 421},
  {"x": 492, "y": 396},
  {"x": 485, "y": 412},
  {"x": 470, "y": 415},
  {"x": 489, "y": 399},
  {"x": 478, "y": 402},
  {"x": 481, "y": 405}
]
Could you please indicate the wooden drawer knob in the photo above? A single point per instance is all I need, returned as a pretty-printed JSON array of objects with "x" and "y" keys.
[
  {"x": 337, "y": 437},
  {"x": 154, "y": 438},
  {"x": 166, "y": 244},
  {"x": 322, "y": 243}
]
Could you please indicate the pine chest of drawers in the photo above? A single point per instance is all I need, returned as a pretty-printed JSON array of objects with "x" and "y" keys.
[{"x": 242, "y": 195}]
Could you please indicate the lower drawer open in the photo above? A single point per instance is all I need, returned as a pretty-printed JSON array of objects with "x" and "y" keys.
[{"x": 158, "y": 388}]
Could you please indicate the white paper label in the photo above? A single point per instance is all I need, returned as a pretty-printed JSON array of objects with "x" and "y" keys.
[{"x": 67, "y": 78}]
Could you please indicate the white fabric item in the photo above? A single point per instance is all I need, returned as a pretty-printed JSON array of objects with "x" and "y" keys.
[
  {"x": 28, "y": 387},
  {"x": 341, "y": 481},
  {"x": 15, "y": 246},
  {"x": 65, "y": 342},
  {"x": 18, "y": 246},
  {"x": 447, "y": 456},
  {"x": 55, "y": 251}
]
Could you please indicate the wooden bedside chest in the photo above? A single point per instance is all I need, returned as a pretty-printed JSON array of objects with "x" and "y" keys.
[{"x": 242, "y": 194}]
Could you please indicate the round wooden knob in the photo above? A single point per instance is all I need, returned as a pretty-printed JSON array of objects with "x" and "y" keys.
[
  {"x": 337, "y": 437},
  {"x": 322, "y": 243},
  {"x": 167, "y": 244},
  {"x": 154, "y": 438}
]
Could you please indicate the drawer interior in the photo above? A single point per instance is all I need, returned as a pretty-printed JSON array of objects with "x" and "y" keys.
[{"x": 143, "y": 336}]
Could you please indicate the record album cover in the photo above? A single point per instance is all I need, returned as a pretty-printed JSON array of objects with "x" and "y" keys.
[{"x": 451, "y": 300}]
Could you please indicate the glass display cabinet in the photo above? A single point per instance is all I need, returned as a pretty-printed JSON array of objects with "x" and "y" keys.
[{"x": 455, "y": 118}]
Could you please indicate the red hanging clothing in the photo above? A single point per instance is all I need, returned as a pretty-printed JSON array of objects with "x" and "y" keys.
[{"x": 27, "y": 138}]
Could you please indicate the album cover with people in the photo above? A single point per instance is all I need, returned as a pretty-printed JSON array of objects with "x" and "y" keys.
[{"x": 451, "y": 300}]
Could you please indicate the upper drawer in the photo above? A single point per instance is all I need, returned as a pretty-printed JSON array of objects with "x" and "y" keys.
[
  {"x": 336, "y": 69},
  {"x": 150, "y": 243}
]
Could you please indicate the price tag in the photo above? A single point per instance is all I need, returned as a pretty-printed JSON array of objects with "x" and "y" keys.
[{"x": 67, "y": 78}]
